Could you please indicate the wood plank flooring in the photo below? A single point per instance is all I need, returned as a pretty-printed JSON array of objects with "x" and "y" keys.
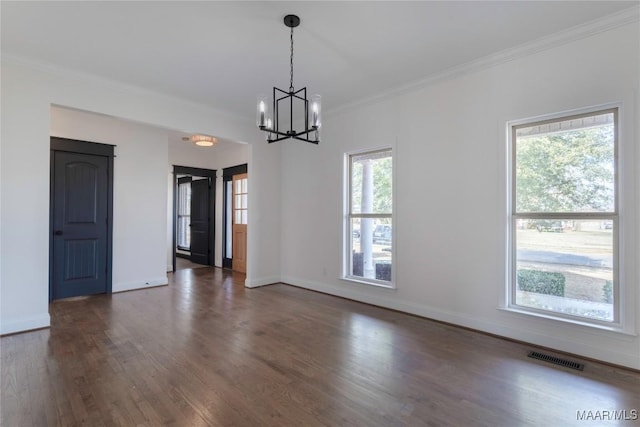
[
  {"x": 205, "y": 351},
  {"x": 184, "y": 264}
]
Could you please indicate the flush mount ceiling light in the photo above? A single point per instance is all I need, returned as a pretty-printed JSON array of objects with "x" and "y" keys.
[
  {"x": 272, "y": 126},
  {"x": 203, "y": 140}
]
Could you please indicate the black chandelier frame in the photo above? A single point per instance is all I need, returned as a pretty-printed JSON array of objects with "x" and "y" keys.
[
  {"x": 284, "y": 96},
  {"x": 290, "y": 95}
]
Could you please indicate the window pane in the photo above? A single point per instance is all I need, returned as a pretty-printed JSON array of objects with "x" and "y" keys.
[
  {"x": 244, "y": 202},
  {"x": 371, "y": 248},
  {"x": 566, "y": 166},
  {"x": 244, "y": 217},
  {"x": 238, "y": 217},
  {"x": 184, "y": 218},
  {"x": 184, "y": 198},
  {"x": 566, "y": 266},
  {"x": 245, "y": 184},
  {"x": 371, "y": 183},
  {"x": 355, "y": 229},
  {"x": 184, "y": 235},
  {"x": 238, "y": 204}
]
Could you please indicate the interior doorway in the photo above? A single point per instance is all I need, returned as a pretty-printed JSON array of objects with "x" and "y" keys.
[
  {"x": 240, "y": 220},
  {"x": 235, "y": 217},
  {"x": 193, "y": 217}
]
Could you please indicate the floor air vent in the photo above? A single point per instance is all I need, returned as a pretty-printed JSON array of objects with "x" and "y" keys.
[{"x": 556, "y": 360}]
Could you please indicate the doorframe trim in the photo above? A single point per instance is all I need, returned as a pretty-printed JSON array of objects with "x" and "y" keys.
[
  {"x": 227, "y": 175},
  {"x": 95, "y": 149},
  {"x": 209, "y": 173}
]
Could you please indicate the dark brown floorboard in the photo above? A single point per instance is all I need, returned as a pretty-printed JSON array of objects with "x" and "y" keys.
[
  {"x": 206, "y": 351},
  {"x": 184, "y": 264}
]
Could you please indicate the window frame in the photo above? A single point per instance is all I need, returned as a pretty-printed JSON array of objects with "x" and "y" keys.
[
  {"x": 513, "y": 216},
  {"x": 347, "y": 258}
]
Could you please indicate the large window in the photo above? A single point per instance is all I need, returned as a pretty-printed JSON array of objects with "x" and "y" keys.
[
  {"x": 369, "y": 218},
  {"x": 564, "y": 217}
]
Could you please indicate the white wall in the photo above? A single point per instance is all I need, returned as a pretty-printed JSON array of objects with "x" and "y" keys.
[
  {"x": 28, "y": 91},
  {"x": 450, "y": 170},
  {"x": 216, "y": 158},
  {"x": 138, "y": 191}
]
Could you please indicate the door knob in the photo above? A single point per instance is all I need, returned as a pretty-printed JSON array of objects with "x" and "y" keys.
[{"x": 58, "y": 233}]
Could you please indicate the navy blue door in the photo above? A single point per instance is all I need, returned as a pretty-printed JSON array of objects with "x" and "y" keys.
[{"x": 80, "y": 212}]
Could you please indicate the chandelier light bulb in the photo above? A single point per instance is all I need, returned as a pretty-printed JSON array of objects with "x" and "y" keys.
[
  {"x": 262, "y": 112},
  {"x": 315, "y": 111}
]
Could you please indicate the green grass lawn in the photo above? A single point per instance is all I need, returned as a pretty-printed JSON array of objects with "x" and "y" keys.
[
  {"x": 582, "y": 282},
  {"x": 568, "y": 241}
]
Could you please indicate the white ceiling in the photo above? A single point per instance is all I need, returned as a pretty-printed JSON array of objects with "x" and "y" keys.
[{"x": 223, "y": 54}]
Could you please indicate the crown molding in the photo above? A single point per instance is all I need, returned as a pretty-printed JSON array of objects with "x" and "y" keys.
[
  {"x": 115, "y": 85},
  {"x": 624, "y": 17}
]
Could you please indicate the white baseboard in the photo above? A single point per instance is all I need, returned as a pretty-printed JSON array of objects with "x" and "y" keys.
[
  {"x": 129, "y": 286},
  {"x": 25, "y": 324},
  {"x": 169, "y": 268},
  {"x": 255, "y": 283},
  {"x": 561, "y": 342}
]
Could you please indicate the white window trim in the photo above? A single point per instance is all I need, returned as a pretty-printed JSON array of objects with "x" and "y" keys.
[
  {"x": 346, "y": 228},
  {"x": 624, "y": 294}
]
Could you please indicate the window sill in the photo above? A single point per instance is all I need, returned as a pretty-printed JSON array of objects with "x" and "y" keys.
[
  {"x": 603, "y": 327},
  {"x": 374, "y": 283}
]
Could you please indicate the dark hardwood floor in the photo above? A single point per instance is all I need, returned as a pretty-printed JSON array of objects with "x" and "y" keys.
[
  {"x": 184, "y": 264},
  {"x": 206, "y": 351}
]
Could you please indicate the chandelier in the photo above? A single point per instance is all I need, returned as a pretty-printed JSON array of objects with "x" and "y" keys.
[{"x": 298, "y": 98}]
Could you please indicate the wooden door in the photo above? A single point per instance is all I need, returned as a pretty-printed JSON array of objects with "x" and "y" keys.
[
  {"x": 199, "y": 225},
  {"x": 79, "y": 207},
  {"x": 240, "y": 213}
]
